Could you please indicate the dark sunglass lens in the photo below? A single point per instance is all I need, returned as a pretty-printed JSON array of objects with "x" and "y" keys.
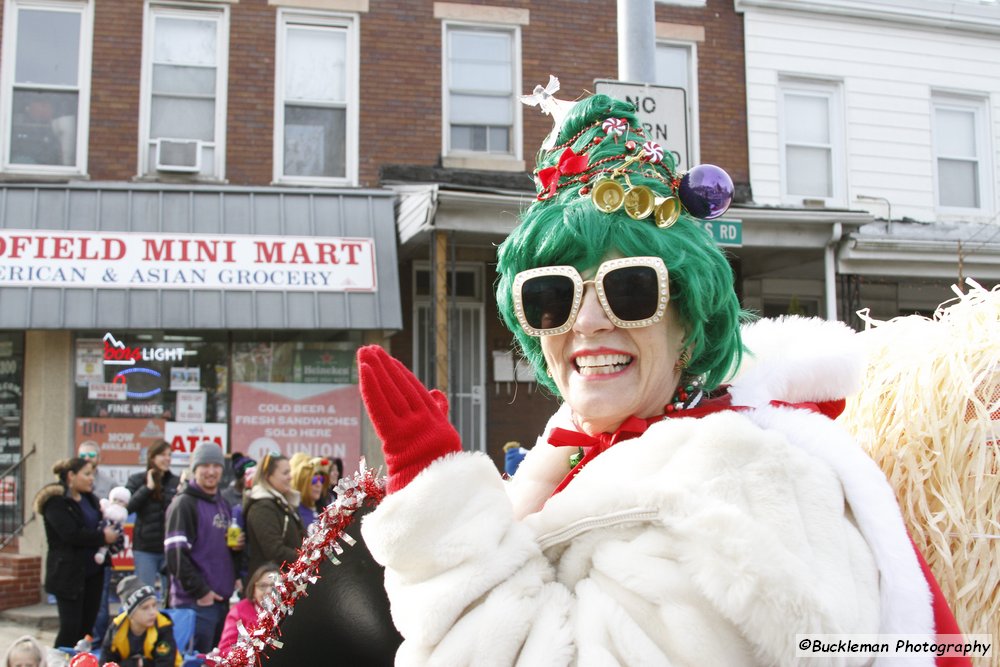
[
  {"x": 547, "y": 301},
  {"x": 632, "y": 292}
]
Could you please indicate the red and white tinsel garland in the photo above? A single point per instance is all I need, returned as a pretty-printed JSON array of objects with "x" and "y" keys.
[{"x": 295, "y": 578}]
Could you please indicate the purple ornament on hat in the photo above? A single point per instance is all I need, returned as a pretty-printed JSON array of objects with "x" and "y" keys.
[{"x": 706, "y": 191}]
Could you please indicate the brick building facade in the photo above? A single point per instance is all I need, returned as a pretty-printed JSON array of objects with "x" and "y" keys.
[{"x": 267, "y": 119}]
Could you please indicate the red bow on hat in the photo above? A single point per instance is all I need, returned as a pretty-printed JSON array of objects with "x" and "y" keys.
[{"x": 569, "y": 163}]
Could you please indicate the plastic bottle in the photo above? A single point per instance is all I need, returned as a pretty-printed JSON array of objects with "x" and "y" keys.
[{"x": 233, "y": 534}]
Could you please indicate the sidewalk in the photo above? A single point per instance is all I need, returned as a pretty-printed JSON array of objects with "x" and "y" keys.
[{"x": 41, "y": 621}]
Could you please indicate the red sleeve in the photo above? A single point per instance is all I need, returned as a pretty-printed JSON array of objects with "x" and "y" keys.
[
  {"x": 230, "y": 633},
  {"x": 944, "y": 620}
]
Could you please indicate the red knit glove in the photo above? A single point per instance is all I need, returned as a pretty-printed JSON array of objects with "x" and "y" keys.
[{"x": 411, "y": 421}]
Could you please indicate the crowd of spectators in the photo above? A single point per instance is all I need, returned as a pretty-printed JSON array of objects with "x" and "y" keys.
[{"x": 197, "y": 544}]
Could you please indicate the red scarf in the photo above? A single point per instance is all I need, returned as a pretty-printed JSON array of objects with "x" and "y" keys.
[{"x": 633, "y": 427}]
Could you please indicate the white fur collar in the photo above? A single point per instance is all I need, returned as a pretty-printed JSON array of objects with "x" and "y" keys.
[{"x": 797, "y": 359}]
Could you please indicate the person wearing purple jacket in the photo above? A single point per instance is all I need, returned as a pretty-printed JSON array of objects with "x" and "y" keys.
[{"x": 201, "y": 565}]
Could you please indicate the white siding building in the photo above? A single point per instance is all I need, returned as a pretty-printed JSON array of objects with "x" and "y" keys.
[{"x": 887, "y": 106}]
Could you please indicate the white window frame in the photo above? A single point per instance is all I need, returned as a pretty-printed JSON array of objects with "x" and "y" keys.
[
  {"x": 184, "y": 10},
  {"x": 682, "y": 3},
  {"x": 322, "y": 19},
  {"x": 516, "y": 141},
  {"x": 7, "y": 72},
  {"x": 832, "y": 91},
  {"x": 694, "y": 132},
  {"x": 980, "y": 110}
]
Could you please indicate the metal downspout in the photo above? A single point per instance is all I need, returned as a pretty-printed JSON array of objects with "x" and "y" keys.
[{"x": 830, "y": 271}]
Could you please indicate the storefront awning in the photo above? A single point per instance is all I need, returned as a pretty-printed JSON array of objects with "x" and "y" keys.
[
  {"x": 138, "y": 256},
  {"x": 940, "y": 250}
]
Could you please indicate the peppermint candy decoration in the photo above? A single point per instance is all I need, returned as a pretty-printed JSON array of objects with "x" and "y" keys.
[
  {"x": 652, "y": 151},
  {"x": 616, "y": 126}
]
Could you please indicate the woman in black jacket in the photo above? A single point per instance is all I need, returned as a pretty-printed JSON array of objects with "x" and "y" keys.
[
  {"x": 274, "y": 527},
  {"x": 152, "y": 491},
  {"x": 71, "y": 514}
]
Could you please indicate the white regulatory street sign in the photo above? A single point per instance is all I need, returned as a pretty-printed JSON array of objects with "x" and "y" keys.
[{"x": 662, "y": 110}]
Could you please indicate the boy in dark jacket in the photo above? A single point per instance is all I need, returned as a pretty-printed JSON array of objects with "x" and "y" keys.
[
  {"x": 140, "y": 636},
  {"x": 202, "y": 572}
]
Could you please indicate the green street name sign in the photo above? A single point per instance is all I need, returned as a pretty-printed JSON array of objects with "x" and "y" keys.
[{"x": 724, "y": 232}]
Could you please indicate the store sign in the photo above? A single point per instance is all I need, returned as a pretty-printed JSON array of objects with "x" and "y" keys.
[
  {"x": 10, "y": 404},
  {"x": 122, "y": 442},
  {"x": 124, "y": 560},
  {"x": 191, "y": 406},
  {"x": 107, "y": 391},
  {"x": 8, "y": 490},
  {"x": 318, "y": 419},
  {"x": 117, "y": 353},
  {"x": 49, "y": 258},
  {"x": 662, "y": 112},
  {"x": 724, "y": 232},
  {"x": 139, "y": 382},
  {"x": 325, "y": 367},
  {"x": 184, "y": 437}
]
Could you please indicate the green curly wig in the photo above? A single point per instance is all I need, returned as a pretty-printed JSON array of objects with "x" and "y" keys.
[{"x": 568, "y": 229}]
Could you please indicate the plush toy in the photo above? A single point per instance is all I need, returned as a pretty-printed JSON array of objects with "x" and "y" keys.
[{"x": 114, "y": 509}]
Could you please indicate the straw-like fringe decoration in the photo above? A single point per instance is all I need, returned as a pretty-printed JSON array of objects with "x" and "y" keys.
[{"x": 929, "y": 414}]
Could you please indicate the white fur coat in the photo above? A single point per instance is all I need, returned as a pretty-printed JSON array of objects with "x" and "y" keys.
[{"x": 709, "y": 541}]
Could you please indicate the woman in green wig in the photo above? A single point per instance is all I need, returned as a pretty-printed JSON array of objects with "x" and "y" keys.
[{"x": 662, "y": 518}]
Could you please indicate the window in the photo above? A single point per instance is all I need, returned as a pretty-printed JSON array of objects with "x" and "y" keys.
[
  {"x": 481, "y": 74},
  {"x": 811, "y": 141},
  {"x": 46, "y": 91},
  {"x": 960, "y": 152},
  {"x": 175, "y": 388},
  {"x": 259, "y": 390},
  {"x": 682, "y": 3},
  {"x": 316, "y": 110},
  {"x": 184, "y": 84},
  {"x": 11, "y": 384},
  {"x": 676, "y": 67}
]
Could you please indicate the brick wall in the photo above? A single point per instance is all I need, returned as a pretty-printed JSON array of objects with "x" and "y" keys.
[
  {"x": 250, "y": 126},
  {"x": 20, "y": 580},
  {"x": 114, "y": 97},
  {"x": 400, "y": 106},
  {"x": 721, "y": 84},
  {"x": 400, "y": 111}
]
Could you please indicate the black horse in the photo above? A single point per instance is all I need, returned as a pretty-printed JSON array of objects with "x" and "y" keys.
[{"x": 344, "y": 618}]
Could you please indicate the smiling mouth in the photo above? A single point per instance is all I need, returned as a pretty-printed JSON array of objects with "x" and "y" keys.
[{"x": 601, "y": 364}]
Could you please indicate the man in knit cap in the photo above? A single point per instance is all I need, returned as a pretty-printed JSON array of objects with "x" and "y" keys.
[
  {"x": 140, "y": 636},
  {"x": 201, "y": 565}
]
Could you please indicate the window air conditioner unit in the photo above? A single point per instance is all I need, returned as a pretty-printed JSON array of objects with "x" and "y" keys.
[{"x": 178, "y": 155}]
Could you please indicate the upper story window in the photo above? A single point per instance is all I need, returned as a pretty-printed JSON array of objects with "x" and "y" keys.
[
  {"x": 316, "y": 106},
  {"x": 46, "y": 86},
  {"x": 482, "y": 77},
  {"x": 676, "y": 66},
  {"x": 812, "y": 141},
  {"x": 183, "y": 108},
  {"x": 961, "y": 150}
]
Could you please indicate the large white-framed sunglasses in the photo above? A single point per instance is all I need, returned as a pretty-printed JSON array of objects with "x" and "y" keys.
[{"x": 633, "y": 291}]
